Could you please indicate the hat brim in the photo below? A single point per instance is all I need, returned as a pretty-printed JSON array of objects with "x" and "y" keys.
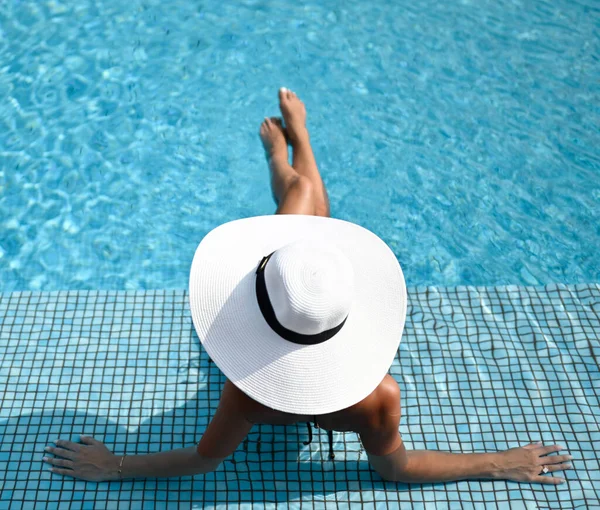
[{"x": 298, "y": 379}]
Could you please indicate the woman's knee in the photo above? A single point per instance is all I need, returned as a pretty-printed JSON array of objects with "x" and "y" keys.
[
  {"x": 298, "y": 197},
  {"x": 304, "y": 187},
  {"x": 309, "y": 193}
]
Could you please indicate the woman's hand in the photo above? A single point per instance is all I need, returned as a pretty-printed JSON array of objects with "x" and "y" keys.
[
  {"x": 90, "y": 461},
  {"x": 525, "y": 463}
]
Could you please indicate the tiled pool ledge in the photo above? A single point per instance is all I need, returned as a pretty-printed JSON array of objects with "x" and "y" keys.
[{"x": 480, "y": 369}]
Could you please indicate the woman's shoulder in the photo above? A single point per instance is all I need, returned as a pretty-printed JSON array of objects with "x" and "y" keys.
[
  {"x": 240, "y": 401},
  {"x": 382, "y": 402},
  {"x": 379, "y": 429},
  {"x": 253, "y": 411},
  {"x": 370, "y": 412}
]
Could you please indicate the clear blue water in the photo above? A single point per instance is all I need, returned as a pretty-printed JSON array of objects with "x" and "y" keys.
[{"x": 465, "y": 134}]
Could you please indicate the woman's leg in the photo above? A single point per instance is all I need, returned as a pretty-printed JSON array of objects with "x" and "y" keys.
[
  {"x": 303, "y": 159},
  {"x": 294, "y": 193}
]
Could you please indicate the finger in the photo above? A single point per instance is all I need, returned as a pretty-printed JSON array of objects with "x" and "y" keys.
[
  {"x": 548, "y": 480},
  {"x": 554, "y": 459},
  {"x": 61, "y": 452},
  {"x": 90, "y": 440},
  {"x": 68, "y": 444},
  {"x": 59, "y": 462},
  {"x": 558, "y": 467},
  {"x": 68, "y": 472},
  {"x": 545, "y": 450},
  {"x": 532, "y": 445}
]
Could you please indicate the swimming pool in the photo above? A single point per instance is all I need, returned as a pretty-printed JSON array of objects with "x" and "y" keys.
[{"x": 465, "y": 135}]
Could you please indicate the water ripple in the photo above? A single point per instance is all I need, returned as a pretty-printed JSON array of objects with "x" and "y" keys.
[{"x": 464, "y": 134}]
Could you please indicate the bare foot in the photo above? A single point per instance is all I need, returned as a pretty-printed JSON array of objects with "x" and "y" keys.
[
  {"x": 272, "y": 135},
  {"x": 294, "y": 115}
]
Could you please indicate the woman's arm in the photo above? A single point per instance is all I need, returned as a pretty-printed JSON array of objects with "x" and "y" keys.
[
  {"x": 393, "y": 462},
  {"x": 420, "y": 466},
  {"x": 180, "y": 462},
  {"x": 522, "y": 464},
  {"x": 389, "y": 457},
  {"x": 224, "y": 433},
  {"x": 93, "y": 461}
]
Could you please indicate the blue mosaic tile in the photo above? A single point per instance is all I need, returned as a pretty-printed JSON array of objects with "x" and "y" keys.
[{"x": 480, "y": 369}]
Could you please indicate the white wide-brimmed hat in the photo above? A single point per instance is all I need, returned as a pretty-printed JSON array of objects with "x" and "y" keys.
[{"x": 303, "y": 313}]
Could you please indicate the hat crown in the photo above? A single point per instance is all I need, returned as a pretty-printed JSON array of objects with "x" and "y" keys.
[{"x": 310, "y": 286}]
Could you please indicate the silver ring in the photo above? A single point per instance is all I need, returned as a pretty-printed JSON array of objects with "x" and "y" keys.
[{"x": 545, "y": 470}]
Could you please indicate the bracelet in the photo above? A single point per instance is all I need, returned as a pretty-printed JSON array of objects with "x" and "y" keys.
[{"x": 121, "y": 467}]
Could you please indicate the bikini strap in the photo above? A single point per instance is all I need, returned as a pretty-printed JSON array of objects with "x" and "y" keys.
[
  {"x": 309, "y": 434},
  {"x": 329, "y": 436}
]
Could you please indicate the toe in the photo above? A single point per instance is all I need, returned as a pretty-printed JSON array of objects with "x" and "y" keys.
[{"x": 282, "y": 93}]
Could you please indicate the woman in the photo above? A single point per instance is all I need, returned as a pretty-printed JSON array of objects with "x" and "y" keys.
[{"x": 303, "y": 314}]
